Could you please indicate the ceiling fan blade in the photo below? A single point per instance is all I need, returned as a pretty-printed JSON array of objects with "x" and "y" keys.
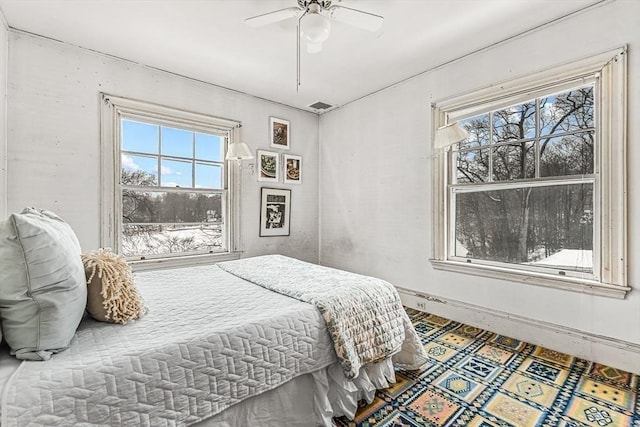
[
  {"x": 356, "y": 18},
  {"x": 272, "y": 17}
]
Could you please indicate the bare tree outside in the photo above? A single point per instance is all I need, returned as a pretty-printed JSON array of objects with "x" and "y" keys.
[
  {"x": 530, "y": 147},
  {"x": 156, "y": 222}
]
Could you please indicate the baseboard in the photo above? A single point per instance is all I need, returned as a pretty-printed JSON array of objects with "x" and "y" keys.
[{"x": 619, "y": 354}]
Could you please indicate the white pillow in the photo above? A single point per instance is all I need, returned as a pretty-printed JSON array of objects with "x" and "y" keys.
[{"x": 43, "y": 292}]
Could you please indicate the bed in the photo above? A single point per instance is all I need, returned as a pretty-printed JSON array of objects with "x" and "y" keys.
[{"x": 258, "y": 341}]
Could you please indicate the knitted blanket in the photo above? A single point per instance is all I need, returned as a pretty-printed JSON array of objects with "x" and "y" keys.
[{"x": 364, "y": 315}]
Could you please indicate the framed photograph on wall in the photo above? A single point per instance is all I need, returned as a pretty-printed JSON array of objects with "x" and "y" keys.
[
  {"x": 292, "y": 169},
  {"x": 275, "y": 212},
  {"x": 280, "y": 133},
  {"x": 268, "y": 164}
]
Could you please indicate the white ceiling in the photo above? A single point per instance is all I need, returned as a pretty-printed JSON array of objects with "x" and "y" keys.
[{"x": 208, "y": 40}]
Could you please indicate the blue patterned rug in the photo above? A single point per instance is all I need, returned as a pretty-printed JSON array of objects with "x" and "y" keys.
[{"x": 477, "y": 378}]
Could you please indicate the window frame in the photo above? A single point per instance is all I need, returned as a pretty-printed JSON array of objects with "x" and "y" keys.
[
  {"x": 608, "y": 71},
  {"x": 114, "y": 109}
]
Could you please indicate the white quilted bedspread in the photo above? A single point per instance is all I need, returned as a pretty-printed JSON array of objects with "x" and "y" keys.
[{"x": 209, "y": 341}]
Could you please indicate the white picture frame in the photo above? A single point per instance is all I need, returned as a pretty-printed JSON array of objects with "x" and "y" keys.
[
  {"x": 268, "y": 166},
  {"x": 292, "y": 169},
  {"x": 279, "y": 133}
]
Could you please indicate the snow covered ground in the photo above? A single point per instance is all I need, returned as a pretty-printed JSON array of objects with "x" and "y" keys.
[
  {"x": 569, "y": 258},
  {"x": 158, "y": 240}
]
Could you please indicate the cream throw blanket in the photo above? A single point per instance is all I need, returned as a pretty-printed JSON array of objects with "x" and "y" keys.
[{"x": 364, "y": 315}]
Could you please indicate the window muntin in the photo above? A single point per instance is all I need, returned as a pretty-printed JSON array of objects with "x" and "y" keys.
[
  {"x": 172, "y": 183},
  {"x": 524, "y": 219}
]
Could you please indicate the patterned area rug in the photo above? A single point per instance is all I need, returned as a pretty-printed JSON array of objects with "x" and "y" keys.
[{"x": 477, "y": 378}]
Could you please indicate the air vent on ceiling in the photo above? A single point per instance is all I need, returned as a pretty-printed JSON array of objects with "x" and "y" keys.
[{"x": 320, "y": 106}]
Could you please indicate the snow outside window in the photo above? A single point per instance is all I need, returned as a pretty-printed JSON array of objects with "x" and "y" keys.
[
  {"x": 172, "y": 189},
  {"x": 532, "y": 193},
  {"x": 171, "y": 193}
]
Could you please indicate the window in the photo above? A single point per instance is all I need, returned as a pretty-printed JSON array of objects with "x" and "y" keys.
[
  {"x": 532, "y": 192},
  {"x": 171, "y": 195}
]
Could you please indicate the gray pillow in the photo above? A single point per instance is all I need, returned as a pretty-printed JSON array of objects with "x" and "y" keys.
[{"x": 43, "y": 292}]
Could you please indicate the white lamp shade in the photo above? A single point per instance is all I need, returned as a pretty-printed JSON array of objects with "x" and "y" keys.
[
  {"x": 449, "y": 134},
  {"x": 239, "y": 151},
  {"x": 315, "y": 27}
]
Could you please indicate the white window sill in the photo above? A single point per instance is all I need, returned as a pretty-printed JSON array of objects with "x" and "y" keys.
[
  {"x": 182, "y": 261},
  {"x": 547, "y": 280}
]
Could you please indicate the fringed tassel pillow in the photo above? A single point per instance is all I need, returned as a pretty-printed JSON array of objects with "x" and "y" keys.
[{"x": 112, "y": 296}]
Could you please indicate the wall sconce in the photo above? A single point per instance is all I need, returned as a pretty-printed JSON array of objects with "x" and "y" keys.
[
  {"x": 448, "y": 135},
  {"x": 239, "y": 151}
]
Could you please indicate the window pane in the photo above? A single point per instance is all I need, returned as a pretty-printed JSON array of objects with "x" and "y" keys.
[
  {"x": 479, "y": 130},
  {"x": 567, "y": 155},
  {"x": 542, "y": 226},
  {"x": 161, "y": 206},
  {"x": 472, "y": 166},
  {"x": 208, "y": 147},
  {"x": 139, "y": 206},
  {"x": 176, "y": 173},
  {"x": 177, "y": 142},
  {"x": 144, "y": 240},
  {"x": 517, "y": 122},
  {"x": 208, "y": 176},
  {"x": 139, "y": 170},
  {"x": 567, "y": 112},
  {"x": 514, "y": 161},
  {"x": 139, "y": 137}
]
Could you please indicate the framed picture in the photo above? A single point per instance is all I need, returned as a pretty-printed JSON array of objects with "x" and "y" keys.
[
  {"x": 268, "y": 164},
  {"x": 292, "y": 169},
  {"x": 275, "y": 212},
  {"x": 280, "y": 132}
]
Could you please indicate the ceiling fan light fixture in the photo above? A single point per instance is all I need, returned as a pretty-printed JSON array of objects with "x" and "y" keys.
[
  {"x": 314, "y": 23},
  {"x": 315, "y": 28},
  {"x": 314, "y": 47}
]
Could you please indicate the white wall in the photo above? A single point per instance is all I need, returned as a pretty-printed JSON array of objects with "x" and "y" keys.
[
  {"x": 54, "y": 137},
  {"x": 376, "y": 183},
  {"x": 4, "y": 51},
  {"x": 375, "y": 197}
]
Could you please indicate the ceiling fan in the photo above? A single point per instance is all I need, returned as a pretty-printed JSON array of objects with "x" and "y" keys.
[
  {"x": 314, "y": 21},
  {"x": 314, "y": 18}
]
